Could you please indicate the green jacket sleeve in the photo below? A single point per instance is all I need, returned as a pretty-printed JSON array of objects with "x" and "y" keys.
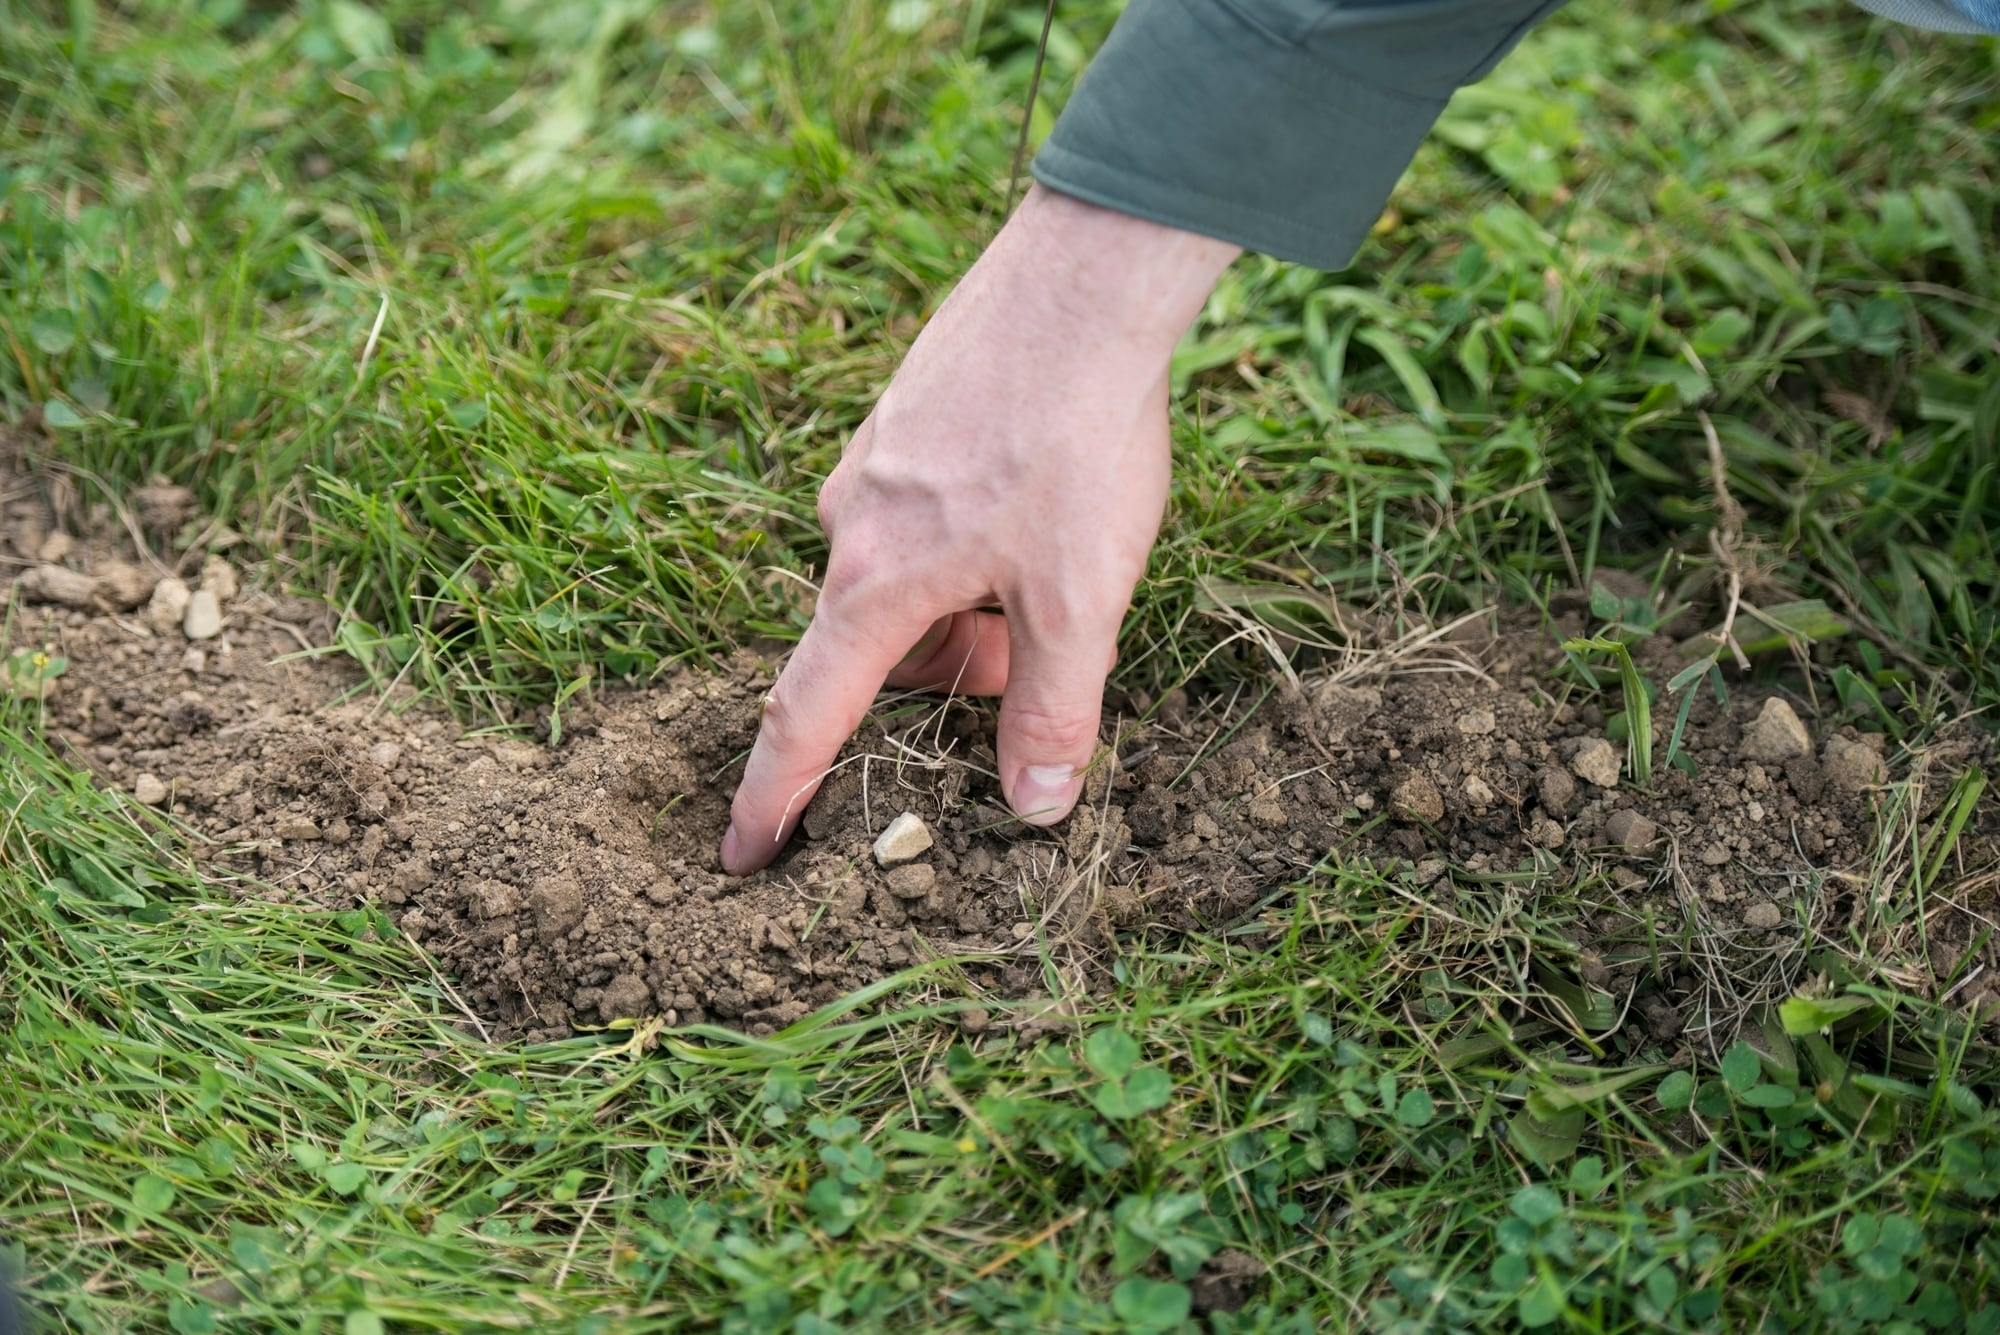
[{"x": 1281, "y": 125}]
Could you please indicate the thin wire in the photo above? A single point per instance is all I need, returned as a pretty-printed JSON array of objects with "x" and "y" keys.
[{"x": 1028, "y": 113}]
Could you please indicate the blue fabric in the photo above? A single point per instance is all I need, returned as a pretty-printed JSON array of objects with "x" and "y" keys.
[{"x": 1961, "y": 16}]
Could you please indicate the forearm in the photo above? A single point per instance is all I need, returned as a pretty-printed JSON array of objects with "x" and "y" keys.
[{"x": 1280, "y": 125}]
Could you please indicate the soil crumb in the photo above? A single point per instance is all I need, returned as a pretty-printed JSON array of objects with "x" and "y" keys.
[{"x": 577, "y": 885}]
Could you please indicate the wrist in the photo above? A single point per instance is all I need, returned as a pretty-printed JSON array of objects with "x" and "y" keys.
[{"x": 1136, "y": 284}]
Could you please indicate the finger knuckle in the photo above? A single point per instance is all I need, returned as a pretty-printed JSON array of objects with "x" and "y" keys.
[{"x": 1056, "y": 731}]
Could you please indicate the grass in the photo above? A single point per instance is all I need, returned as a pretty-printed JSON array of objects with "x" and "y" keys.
[{"x": 524, "y": 335}]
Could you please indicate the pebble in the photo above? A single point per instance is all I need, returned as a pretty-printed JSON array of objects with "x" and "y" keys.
[
  {"x": 1775, "y": 735},
  {"x": 1478, "y": 791},
  {"x": 1852, "y": 767},
  {"x": 913, "y": 880},
  {"x": 385, "y": 754},
  {"x": 194, "y": 660},
  {"x": 204, "y": 616},
  {"x": 1546, "y": 833},
  {"x": 1630, "y": 831},
  {"x": 906, "y": 839},
  {"x": 1716, "y": 855},
  {"x": 1763, "y": 915},
  {"x": 297, "y": 829},
  {"x": 169, "y": 604},
  {"x": 1596, "y": 761},
  {"x": 149, "y": 790},
  {"x": 1416, "y": 799},
  {"x": 1477, "y": 722}
]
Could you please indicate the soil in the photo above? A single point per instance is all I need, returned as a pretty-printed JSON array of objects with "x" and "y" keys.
[{"x": 572, "y": 886}]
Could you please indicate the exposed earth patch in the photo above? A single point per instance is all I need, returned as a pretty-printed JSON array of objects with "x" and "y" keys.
[{"x": 577, "y": 885}]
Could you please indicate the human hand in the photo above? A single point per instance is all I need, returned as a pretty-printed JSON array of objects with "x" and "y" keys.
[{"x": 1019, "y": 458}]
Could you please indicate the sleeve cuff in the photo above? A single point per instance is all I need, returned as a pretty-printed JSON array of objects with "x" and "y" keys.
[{"x": 1283, "y": 133}]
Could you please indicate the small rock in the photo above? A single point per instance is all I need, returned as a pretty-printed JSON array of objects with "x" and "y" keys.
[
  {"x": 55, "y": 547},
  {"x": 1851, "y": 767},
  {"x": 1557, "y": 791},
  {"x": 204, "y": 616},
  {"x": 1775, "y": 735},
  {"x": 974, "y": 1019},
  {"x": 1478, "y": 791},
  {"x": 385, "y": 754},
  {"x": 123, "y": 584},
  {"x": 1763, "y": 915},
  {"x": 169, "y": 604},
  {"x": 906, "y": 839},
  {"x": 149, "y": 790},
  {"x": 59, "y": 585},
  {"x": 1477, "y": 722},
  {"x": 1429, "y": 870},
  {"x": 1596, "y": 761},
  {"x": 1546, "y": 833},
  {"x": 219, "y": 578},
  {"x": 1716, "y": 855},
  {"x": 297, "y": 829},
  {"x": 1416, "y": 799},
  {"x": 195, "y": 660},
  {"x": 1630, "y": 831},
  {"x": 913, "y": 880}
]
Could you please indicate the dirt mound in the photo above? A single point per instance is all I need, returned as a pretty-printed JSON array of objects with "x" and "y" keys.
[{"x": 578, "y": 885}]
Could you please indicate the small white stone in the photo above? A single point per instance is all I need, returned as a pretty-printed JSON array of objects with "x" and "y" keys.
[
  {"x": 1478, "y": 791},
  {"x": 169, "y": 605},
  {"x": 906, "y": 840},
  {"x": 204, "y": 616},
  {"x": 1596, "y": 761},
  {"x": 385, "y": 754},
  {"x": 149, "y": 790}
]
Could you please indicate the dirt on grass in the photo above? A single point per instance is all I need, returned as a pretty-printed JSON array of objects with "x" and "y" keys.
[{"x": 571, "y": 886}]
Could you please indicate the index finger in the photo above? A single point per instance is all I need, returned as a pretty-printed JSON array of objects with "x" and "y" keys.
[{"x": 819, "y": 700}]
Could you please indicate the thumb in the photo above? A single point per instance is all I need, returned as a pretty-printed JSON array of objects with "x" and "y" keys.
[{"x": 1049, "y": 716}]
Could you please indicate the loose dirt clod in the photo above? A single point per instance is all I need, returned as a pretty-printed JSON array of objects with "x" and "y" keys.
[
  {"x": 1416, "y": 798},
  {"x": 122, "y": 584},
  {"x": 169, "y": 604},
  {"x": 1597, "y": 761},
  {"x": 149, "y": 790},
  {"x": 59, "y": 585},
  {"x": 1851, "y": 766}
]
